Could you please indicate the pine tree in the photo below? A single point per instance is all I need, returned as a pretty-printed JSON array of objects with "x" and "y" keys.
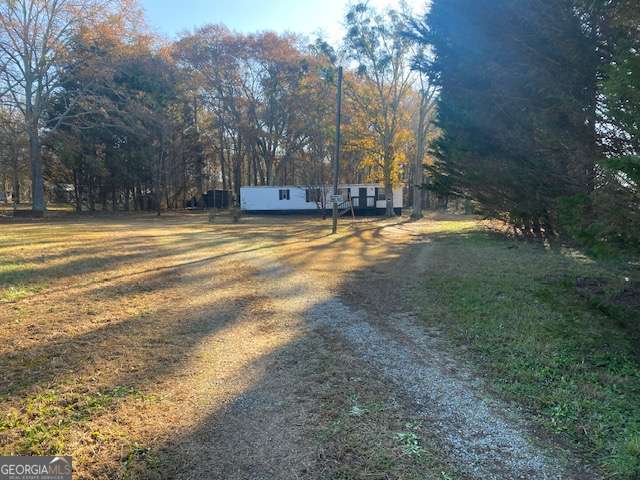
[{"x": 517, "y": 83}]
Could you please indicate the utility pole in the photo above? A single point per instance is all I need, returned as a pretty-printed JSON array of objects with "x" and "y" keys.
[
  {"x": 336, "y": 172},
  {"x": 418, "y": 167}
]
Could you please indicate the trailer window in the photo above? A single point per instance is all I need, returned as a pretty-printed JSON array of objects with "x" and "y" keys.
[{"x": 284, "y": 194}]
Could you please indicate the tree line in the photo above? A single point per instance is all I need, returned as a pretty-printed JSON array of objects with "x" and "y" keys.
[
  {"x": 529, "y": 110},
  {"x": 97, "y": 109}
]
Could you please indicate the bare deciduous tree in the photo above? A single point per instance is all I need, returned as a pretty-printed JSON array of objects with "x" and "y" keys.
[{"x": 34, "y": 38}]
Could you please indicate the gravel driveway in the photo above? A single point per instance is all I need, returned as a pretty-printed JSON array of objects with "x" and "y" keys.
[{"x": 350, "y": 289}]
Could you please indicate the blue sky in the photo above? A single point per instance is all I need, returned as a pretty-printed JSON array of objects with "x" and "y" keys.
[{"x": 171, "y": 17}]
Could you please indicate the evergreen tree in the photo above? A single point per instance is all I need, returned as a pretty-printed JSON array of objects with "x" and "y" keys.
[{"x": 517, "y": 104}]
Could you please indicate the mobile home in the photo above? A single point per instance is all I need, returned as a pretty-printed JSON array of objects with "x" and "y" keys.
[{"x": 366, "y": 199}]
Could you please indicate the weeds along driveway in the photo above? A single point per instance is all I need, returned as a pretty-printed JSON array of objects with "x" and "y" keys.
[{"x": 169, "y": 348}]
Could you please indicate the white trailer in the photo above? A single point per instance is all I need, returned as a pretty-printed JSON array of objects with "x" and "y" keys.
[{"x": 367, "y": 199}]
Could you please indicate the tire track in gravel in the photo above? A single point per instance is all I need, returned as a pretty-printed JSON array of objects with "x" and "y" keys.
[
  {"x": 486, "y": 438},
  {"x": 262, "y": 432}
]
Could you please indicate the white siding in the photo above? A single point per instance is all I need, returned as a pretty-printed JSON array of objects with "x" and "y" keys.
[{"x": 268, "y": 198}]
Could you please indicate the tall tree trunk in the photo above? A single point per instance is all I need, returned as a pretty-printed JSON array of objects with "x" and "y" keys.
[
  {"x": 37, "y": 181},
  {"x": 127, "y": 199},
  {"x": 77, "y": 190},
  {"x": 92, "y": 197},
  {"x": 200, "y": 155},
  {"x": 269, "y": 162},
  {"x": 16, "y": 173},
  {"x": 254, "y": 164},
  {"x": 223, "y": 170},
  {"x": 388, "y": 186},
  {"x": 157, "y": 183},
  {"x": 418, "y": 168},
  {"x": 388, "y": 193},
  {"x": 237, "y": 172},
  {"x": 103, "y": 196},
  {"x": 260, "y": 177},
  {"x": 4, "y": 188},
  {"x": 35, "y": 147},
  {"x": 16, "y": 188}
]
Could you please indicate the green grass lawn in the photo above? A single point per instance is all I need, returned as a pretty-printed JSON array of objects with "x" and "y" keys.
[{"x": 553, "y": 330}]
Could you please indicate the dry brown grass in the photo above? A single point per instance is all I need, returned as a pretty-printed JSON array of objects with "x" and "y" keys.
[{"x": 120, "y": 334}]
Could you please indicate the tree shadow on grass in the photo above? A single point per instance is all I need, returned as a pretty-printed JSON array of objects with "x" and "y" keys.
[
  {"x": 143, "y": 350},
  {"x": 270, "y": 430},
  {"x": 279, "y": 428},
  {"x": 135, "y": 346},
  {"x": 91, "y": 259}
]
